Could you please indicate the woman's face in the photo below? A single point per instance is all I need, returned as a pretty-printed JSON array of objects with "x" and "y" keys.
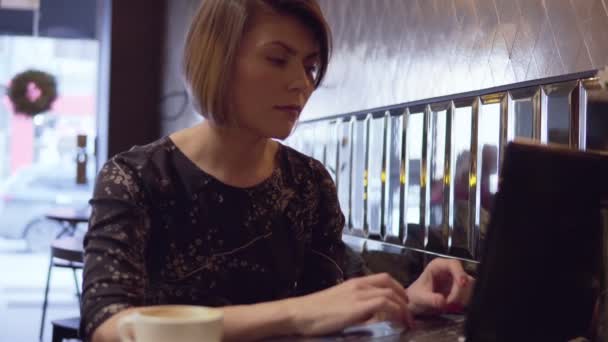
[{"x": 274, "y": 75}]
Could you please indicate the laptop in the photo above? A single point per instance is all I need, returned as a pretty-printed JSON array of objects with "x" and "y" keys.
[{"x": 543, "y": 267}]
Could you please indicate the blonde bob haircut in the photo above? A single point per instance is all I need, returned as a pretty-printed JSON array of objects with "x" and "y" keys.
[{"x": 213, "y": 39}]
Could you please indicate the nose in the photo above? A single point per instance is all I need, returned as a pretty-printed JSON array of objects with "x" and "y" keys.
[{"x": 301, "y": 82}]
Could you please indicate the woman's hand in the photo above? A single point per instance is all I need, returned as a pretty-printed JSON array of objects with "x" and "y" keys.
[
  {"x": 442, "y": 286},
  {"x": 352, "y": 302}
]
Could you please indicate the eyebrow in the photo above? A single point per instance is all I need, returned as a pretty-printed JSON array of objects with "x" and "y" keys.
[{"x": 293, "y": 51}]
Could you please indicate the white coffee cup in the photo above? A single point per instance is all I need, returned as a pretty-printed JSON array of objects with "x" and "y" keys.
[{"x": 172, "y": 323}]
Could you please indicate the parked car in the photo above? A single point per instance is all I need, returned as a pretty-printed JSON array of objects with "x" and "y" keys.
[{"x": 31, "y": 192}]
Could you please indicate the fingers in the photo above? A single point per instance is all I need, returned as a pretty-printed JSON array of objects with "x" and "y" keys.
[
  {"x": 462, "y": 294},
  {"x": 384, "y": 306},
  {"x": 383, "y": 280},
  {"x": 461, "y": 282},
  {"x": 457, "y": 290},
  {"x": 451, "y": 266},
  {"x": 376, "y": 288},
  {"x": 428, "y": 303},
  {"x": 374, "y": 292}
]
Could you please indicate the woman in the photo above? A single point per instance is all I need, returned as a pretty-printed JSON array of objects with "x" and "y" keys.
[{"x": 221, "y": 214}]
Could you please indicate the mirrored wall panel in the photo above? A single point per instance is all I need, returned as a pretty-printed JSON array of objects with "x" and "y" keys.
[
  {"x": 594, "y": 113},
  {"x": 439, "y": 136},
  {"x": 558, "y": 104},
  {"x": 318, "y": 135},
  {"x": 415, "y": 230},
  {"x": 425, "y": 176},
  {"x": 344, "y": 168},
  {"x": 359, "y": 171},
  {"x": 376, "y": 175},
  {"x": 303, "y": 140},
  {"x": 488, "y": 158},
  {"x": 395, "y": 176},
  {"x": 525, "y": 109},
  {"x": 331, "y": 149},
  {"x": 306, "y": 138},
  {"x": 461, "y": 146}
]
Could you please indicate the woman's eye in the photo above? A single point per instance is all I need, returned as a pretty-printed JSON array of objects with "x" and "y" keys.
[
  {"x": 277, "y": 61},
  {"x": 312, "y": 70}
]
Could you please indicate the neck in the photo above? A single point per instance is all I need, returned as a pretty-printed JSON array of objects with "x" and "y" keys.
[
  {"x": 233, "y": 155},
  {"x": 234, "y": 148}
]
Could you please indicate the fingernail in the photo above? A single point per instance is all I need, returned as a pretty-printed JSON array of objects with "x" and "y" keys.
[{"x": 454, "y": 308}]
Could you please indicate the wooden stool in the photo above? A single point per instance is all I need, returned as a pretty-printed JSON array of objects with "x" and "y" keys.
[{"x": 65, "y": 253}]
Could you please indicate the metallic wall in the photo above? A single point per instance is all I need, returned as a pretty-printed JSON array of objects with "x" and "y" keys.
[
  {"x": 423, "y": 175},
  {"x": 393, "y": 51}
]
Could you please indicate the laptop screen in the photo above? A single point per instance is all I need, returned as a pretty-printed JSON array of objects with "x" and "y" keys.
[{"x": 540, "y": 270}]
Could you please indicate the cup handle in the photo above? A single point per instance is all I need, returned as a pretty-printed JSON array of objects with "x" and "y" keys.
[{"x": 125, "y": 328}]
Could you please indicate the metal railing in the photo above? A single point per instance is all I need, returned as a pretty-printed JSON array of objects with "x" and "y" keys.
[{"x": 422, "y": 175}]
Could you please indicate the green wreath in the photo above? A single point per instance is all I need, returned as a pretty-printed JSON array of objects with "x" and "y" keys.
[{"x": 32, "y": 92}]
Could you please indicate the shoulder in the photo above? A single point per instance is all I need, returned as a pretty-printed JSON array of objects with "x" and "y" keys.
[
  {"x": 130, "y": 167},
  {"x": 305, "y": 166},
  {"x": 140, "y": 156}
]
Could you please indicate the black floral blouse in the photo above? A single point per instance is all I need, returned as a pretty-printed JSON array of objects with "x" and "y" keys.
[{"x": 162, "y": 231}]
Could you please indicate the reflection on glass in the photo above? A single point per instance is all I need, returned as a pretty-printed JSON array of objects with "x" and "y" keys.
[
  {"x": 48, "y": 154},
  {"x": 437, "y": 150},
  {"x": 489, "y": 135},
  {"x": 558, "y": 104},
  {"x": 524, "y": 118},
  {"x": 461, "y": 150},
  {"x": 525, "y": 109},
  {"x": 597, "y": 116},
  {"x": 344, "y": 170},
  {"x": 374, "y": 179},
  {"x": 358, "y": 184},
  {"x": 331, "y": 149},
  {"x": 394, "y": 174},
  {"x": 411, "y": 204}
]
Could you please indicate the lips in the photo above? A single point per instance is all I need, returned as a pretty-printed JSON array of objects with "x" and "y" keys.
[{"x": 291, "y": 110}]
